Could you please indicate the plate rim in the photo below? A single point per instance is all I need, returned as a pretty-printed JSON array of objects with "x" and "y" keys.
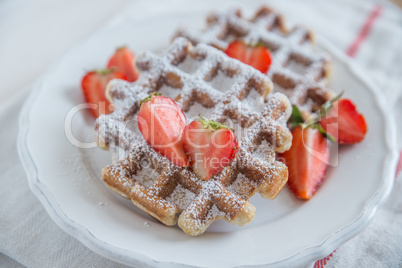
[{"x": 128, "y": 257}]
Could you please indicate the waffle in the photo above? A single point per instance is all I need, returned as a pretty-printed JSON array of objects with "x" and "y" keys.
[
  {"x": 194, "y": 77},
  {"x": 297, "y": 71}
]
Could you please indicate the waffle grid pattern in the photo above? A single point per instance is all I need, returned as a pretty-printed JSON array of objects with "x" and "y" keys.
[
  {"x": 165, "y": 190},
  {"x": 296, "y": 70}
]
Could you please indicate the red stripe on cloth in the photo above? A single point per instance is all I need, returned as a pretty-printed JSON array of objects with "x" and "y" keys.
[
  {"x": 365, "y": 30},
  {"x": 399, "y": 166},
  {"x": 322, "y": 262}
]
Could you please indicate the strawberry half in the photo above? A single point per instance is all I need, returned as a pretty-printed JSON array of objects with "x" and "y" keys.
[
  {"x": 307, "y": 161},
  {"x": 257, "y": 56},
  {"x": 344, "y": 122},
  {"x": 93, "y": 87},
  {"x": 161, "y": 122},
  {"x": 123, "y": 60},
  {"x": 210, "y": 147}
]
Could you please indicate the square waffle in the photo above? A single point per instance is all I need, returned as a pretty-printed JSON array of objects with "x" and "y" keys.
[
  {"x": 296, "y": 70},
  {"x": 205, "y": 79}
]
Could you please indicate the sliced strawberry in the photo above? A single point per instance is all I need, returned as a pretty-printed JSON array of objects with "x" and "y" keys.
[
  {"x": 344, "y": 122},
  {"x": 123, "y": 60},
  {"x": 257, "y": 56},
  {"x": 210, "y": 147},
  {"x": 93, "y": 87},
  {"x": 307, "y": 161},
  {"x": 161, "y": 122}
]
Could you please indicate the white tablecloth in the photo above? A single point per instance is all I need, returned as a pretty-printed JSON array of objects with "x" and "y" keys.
[{"x": 32, "y": 33}]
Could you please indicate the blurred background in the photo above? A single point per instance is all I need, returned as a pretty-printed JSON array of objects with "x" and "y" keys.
[{"x": 33, "y": 33}]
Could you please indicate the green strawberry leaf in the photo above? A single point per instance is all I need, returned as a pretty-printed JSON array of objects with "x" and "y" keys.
[
  {"x": 106, "y": 71},
  {"x": 296, "y": 117},
  {"x": 327, "y": 106},
  {"x": 297, "y": 120}
]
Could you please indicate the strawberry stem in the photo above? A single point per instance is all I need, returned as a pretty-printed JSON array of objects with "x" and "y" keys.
[
  {"x": 106, "y": 71},
  {"x": 326, "y": 134},
  {"x": 211, "y": 124},
  {"x": 253, "y": 45},
  {"x": 121, "y": 47},
  {"x": 150, "y": 96},
  {"x": 260, "y": 44},
  {"x": 327, "y": 106},
  {"x": 297, "y": 120}
]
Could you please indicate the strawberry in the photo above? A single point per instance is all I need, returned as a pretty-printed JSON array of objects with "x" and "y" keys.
[
  {"x": 93, "y": 87},
  {"x": 123, "y": 60},
  {"x": 257, "y": 56},
  {"x": 344, "y": 122},
  {"x": 161, "y": 122},
  {"x": 210, "y": 147},
  {"x": 307, "y": 161}
]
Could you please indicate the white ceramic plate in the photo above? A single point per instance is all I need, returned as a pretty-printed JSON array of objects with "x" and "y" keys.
[{"x": 285, "y": 231}]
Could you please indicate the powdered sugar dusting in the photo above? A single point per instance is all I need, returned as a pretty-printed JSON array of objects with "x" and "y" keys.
[
  {"x": 293, "y": 56},
  {"x": 198, "y": 109},
  {"x": 200, "y": 202},
  {"x": 242, "y": 185},
  {"x": 214, "y": 213},
  {"x": 296, "y": 67},
  {"x": 222, "y": 82},
  {"x": 254, "y": 101},
  {"x": 146, "y": 176},
  {"x": 263, "y": 152},
  {"x": 170, "y": 92},
  {"x": 181, "y": 197},
  {"x": 189, "y": 65}
]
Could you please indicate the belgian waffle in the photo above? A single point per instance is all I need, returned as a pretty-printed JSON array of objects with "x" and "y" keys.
[
  {"x": 163, "y": 190},
  {"x": 296, "y": 70}
]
